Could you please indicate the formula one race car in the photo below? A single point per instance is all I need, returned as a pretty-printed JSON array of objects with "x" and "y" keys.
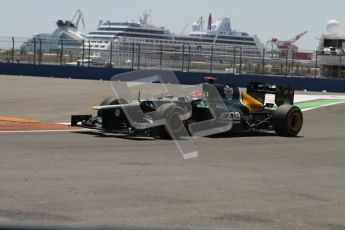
[{"x": 215, "y": 109}]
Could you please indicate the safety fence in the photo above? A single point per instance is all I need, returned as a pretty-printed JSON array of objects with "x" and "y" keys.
[{"x": 208, "y": 58}]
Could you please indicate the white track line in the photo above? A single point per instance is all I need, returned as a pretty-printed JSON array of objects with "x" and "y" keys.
[{"x": 64, "y": 123}]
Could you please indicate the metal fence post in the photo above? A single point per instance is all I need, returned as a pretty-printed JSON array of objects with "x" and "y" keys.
[
  {"x": 263, "y": 61},
  {"x": 133, "y": 53},
  {"x": 315, "y": 73},
  {"x": 188, "y": 58},
  {"x": 83, "y": 54},
  {"x": 139, "y": 50},
  {"x": 89, "y": 57},
  {"x": 292, "y": 63},
  {"x": 34, "y": 39},
  {"x": 40, "y": 53},
  {"x": 160, "y": 57},
  {"x": 240, "y": 71},
  {"x": 211, "y": 64},
  {"x": 234, "y": 66},
  {"x": 12, "y": 50},
  {"x": 111, "y": 55},
  {"x": 286, "y": 64},
  {"x": 61, "y": 52},
  {"x": 183, "y": 58},
  {"x": 340, "y": 63}
]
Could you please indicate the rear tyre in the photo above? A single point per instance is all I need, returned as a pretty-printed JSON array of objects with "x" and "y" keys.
[{"x": 287, "y": 120}]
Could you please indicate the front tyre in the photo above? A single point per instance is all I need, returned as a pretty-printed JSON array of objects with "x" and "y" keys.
[
  {"x": 113, "y": 101},
  {"x": 287, "y": 120},
  {"x": 175, "y": 126}
]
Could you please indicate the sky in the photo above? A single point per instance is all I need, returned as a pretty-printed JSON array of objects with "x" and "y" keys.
[{"x": 282, "y": 19}]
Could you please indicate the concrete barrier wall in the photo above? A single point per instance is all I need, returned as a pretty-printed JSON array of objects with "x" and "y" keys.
[
  {"x": 57, "y": 71},
  {"x": 299, "y": 83}
]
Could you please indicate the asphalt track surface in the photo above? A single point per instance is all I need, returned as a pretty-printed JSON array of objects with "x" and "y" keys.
[{"x": 242, "y": 181}]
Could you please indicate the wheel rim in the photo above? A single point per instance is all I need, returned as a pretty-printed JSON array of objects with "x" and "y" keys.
[
  {"x": 175, "y": 123},
  {"x": 295, "y": 122}
]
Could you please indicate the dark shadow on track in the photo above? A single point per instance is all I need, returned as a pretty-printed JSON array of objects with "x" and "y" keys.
[
  {"x": 236, "y": 134},
  {"x": 101, "y": 134}
]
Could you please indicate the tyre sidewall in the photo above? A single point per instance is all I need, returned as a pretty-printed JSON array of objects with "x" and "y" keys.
[{"x": 287, "y": 120}]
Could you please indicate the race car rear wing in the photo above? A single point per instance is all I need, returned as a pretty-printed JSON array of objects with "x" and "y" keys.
[{"x": 283, "y": 94}]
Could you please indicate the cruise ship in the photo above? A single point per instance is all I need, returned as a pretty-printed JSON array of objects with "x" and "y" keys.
[
  {"x": 139, "y": 31},
  {"x": 66, "y": 31},
  {"x": 218, "y": 34}
]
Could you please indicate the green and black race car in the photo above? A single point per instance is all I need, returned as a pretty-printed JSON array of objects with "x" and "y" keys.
[{"x": 216, "y": 109}]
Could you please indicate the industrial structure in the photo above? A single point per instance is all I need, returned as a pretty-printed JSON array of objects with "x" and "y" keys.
[{"x": 287, "y": 48}]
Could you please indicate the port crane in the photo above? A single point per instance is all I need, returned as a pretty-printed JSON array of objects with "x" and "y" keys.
[
  {"x": 200, "y": 24},
  {"x": 184, "y": 29},
  {"x": 276, "y": 48},
  {"x": 285, "y": 45},
  {"x": 78, "y": 16},
  {"x": 74, "y": 23}
]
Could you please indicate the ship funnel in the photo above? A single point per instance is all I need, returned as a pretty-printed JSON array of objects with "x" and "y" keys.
[{"x": 209, "y": 22}]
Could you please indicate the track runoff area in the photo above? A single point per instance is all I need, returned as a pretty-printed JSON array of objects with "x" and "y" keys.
[{"x": 53, "y": 172}]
